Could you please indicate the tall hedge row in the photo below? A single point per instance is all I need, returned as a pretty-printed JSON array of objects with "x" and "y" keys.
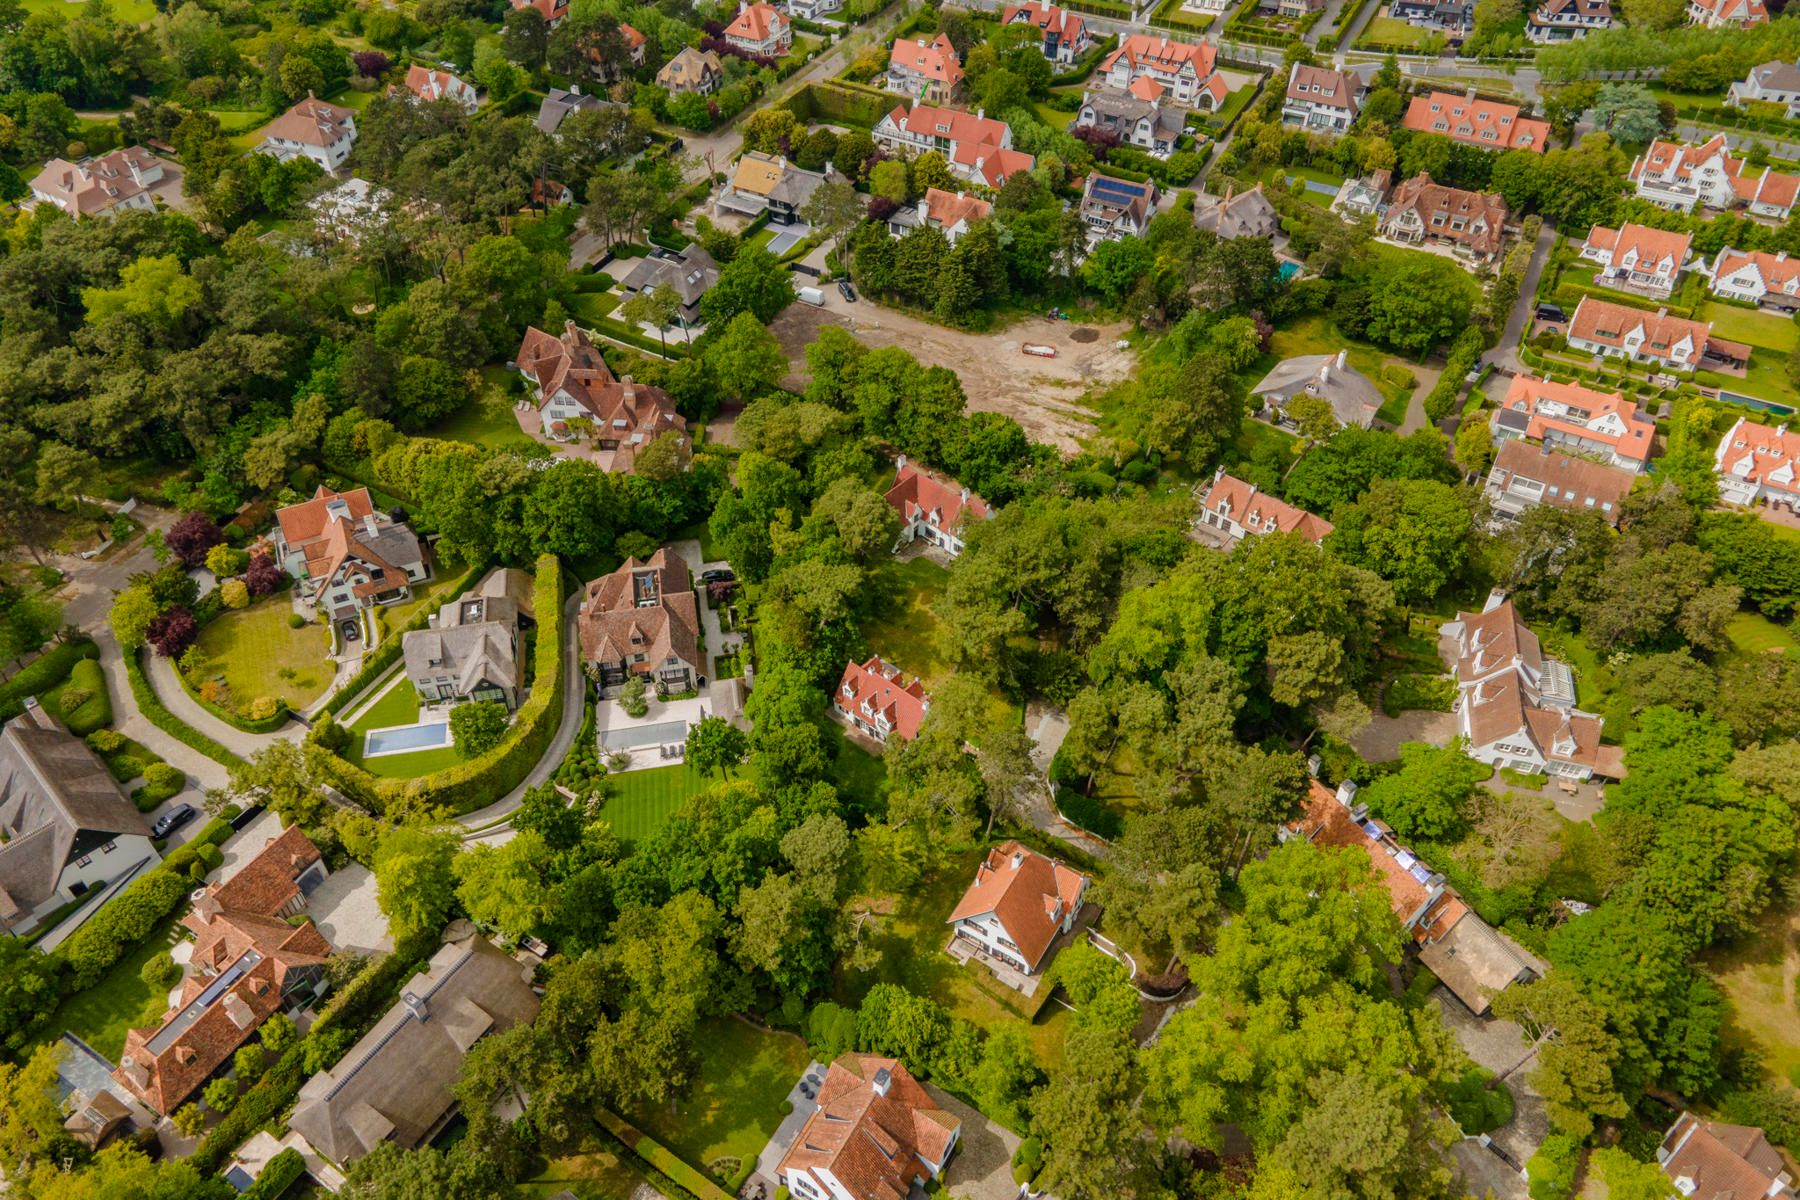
[{"x": 468, "y": 786}]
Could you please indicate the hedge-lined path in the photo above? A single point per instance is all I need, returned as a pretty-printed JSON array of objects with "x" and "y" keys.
[
  {"x": 131, "y": 722},
  {"x": 1507, "y": 357},
  {"x": 175, "y": 698},
  {"x": 574, "y": 712}
]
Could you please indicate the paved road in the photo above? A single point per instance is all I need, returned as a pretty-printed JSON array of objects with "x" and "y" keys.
[
  {"x": 1520, "y": 318},
  {"x": 1690, "y": 132},
  {"x": 175, "y": 698}
]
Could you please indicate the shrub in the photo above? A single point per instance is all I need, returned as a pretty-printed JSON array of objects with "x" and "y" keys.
[
  {"x": 41, "y": 674},
  {"x": 85, "y": 705},
  {"x": 161, "y": 782},
  {"x": 279, "y": 1173},
  {"x": 73, "y": 698},
  {"x": 632, "y": 697},
  {"x": 126, "y": 766},
  {"x": 262, "y": 708},
  {"x": 161, "y": 972},
  {"x": 106, "y": 741},
  {"x": 478, "y": 727},
  {"x": 1479, "y": 1104},
  {"x": 262, "y": 576},
  {"x": 189, "y": 1120},
  {"x": 295, "y": 620},
  {"x": 211, "y": 857},
  {"x": 123, "y": 921},
  {"x": 234, "y": 593},
  {"x": 1552, "y": 1169},
  {"x": 220, "y": 1095},
  {"x": 172, "y": 632}
]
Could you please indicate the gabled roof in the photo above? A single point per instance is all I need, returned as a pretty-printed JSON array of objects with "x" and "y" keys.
[
  {"x": 1029, "y": 894},
  {"x": 1583, "y": 412},
  {"x": 1324, "y": 86},
  {"x": 1569, "y": 481},
  {"x": 948, "y": 209},
  {"x": 1354, "y": 398},
  {"x": 1647, "y": 245},
  {"x": 265, "y": 884},
  {"x": 1153, "y": 52},
  {"x": 757, "y": 173},
  {"x": 1591, "y": 9},
  {"x": 1110, "y": 198},
  {"x": 935, "y": 60},
  {"x": 1484, "y": 213},
  {"x": 756, "y": 22},
  {"x": 560, "y": 102},
  {"x": 924, "y": 120},
  {"x": 1485, "y": 123},
  {"x": 1734, "y": 12},
  {"x": 96, "y": 184},
  {"x": 429, "y": 84},
  {"x": 916, "y": 491},
  {"x": 312, "y": 122},
  {"x": 394, "y": 1084},
  {"x": 1049, "y": 18},
  {"x": 643, "y": 608},
  {"x": 1766, "y": 455},
  {"x": 876, "y": 1129},
  {"x": 888, "y": 692},
  {"x": 57, "y": 800},
  {"x": 1722, "y": 1162},
  {"x": 1777, "y": 76},
  {"x": 1778, "y": 272},
  {"x": 1495, "y": 638},
  {"x": 1610, "y": 324},
  {"x": 1259, "y": 511},
  {"x": 551, "y": 10},
  {"x": 334, "y": 529}
]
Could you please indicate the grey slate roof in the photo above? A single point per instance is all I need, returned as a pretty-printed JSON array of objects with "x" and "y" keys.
[
  {"x": 473, "y": 639},
  {"x": 692, "y": 274},
  {"x": 1241, "y": 214},
  {"x": 1354, "y": 399},
  {"x": 56, "y": 800},
  {"x": 560, "y": 103},
  {"x": 394, "y": 1084}
]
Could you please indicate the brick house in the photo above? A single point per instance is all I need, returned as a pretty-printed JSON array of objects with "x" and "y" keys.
[
  {"x": 876, "y": 1134},
  {"x": 1486, "y": 124},
  {"x": 347, "y": 555},
  {"x": 928, "y": 71},
  {"x": 1584, "y": 420},
  {"x": 644, "y": 620},
  {"x": 247, "y": 964},
  {"x": 575, "y": 389},
  {"x": 1470, "y": 224}
]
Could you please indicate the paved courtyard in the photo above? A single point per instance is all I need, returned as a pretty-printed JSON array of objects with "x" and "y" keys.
[
  {"x": 1380, "y": 742},
  {"x": 982, "y": 1166},
  {"x": 646, "y": 738},
  {"x": 345, "y": 910},
  {"x": 769, "y": 1161},
  {"x": 1499, "y": 1045}
]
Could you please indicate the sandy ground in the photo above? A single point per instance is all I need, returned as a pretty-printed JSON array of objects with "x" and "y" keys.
[{"x": 1042, "y": 394}]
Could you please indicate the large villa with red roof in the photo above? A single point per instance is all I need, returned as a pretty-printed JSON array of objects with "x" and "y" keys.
[
  {"x": 760, "y": 29},
  {"x": 1487, "y": 124},
  {"x": 1187, "y": 70},
  {"x": 1235, "y": 509},
  {"x": 928, "y": 71},
  {"x": 1756, "y": 464},
  {"x": 1770, "y": 280},
  {"x": 1580, "y": 418},
  {"x": 934, "y": 508},
  {"x": 880, "y": 701},
  {"x": 576, "y": 392},
  {"x": 978, "y": 148},
  {"x": 1658, "y": 338},
  {"x": 347, "y": 555},
  {"x": 1636, "y": 258},
  {"x": 247, "y": 962},
  {"x": 876, "y": 1134},
  {"x": 1019, "y": 903}
]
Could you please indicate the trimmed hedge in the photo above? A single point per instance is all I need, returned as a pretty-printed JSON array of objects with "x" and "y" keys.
[
  {"x": 266, "y": 725},
  {"x": 841, "y": 103},
  {"x": 1464, "y": 352},
  {"x": 129, "y": 917},
  {"x": 96, "y": 711},
  {"x": 467, "y": 786},
  {"x": 667, "y": 1162},
  {"x": 161, "y": 782},
  {"x": 375, "y": 665},
  {"x": 278, "y": 1175},
  {"x": 168, "y": 722},
  {"x": 41, "y": 674}
]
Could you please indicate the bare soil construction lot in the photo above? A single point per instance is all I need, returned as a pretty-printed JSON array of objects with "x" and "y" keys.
[{"x": 1042, "y": 394}]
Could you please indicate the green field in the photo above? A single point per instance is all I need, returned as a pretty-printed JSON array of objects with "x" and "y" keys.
[
  {"x": 135, "y": 11},
  {"x": 1386, "y": 31},
  {"x": 643, "y": 801},
  {"x": 904, "y": 630},
  {"x": 487, "y": 420},
  {"x": 391, "y": 618},
  {"x": 1747, "y": 325},
  {"x": 100, "y": 1015},
  {"x": 1754, "y": 633},
  {"x": 399, "y": 705},
  {"x": 732, "y": 1109},
  {"x": 255, "y": 653}
]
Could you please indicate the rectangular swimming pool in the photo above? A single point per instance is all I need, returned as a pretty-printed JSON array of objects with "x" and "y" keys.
[
  {"x": 631, "y": 737},
  {"x": 402, "y": 738}
]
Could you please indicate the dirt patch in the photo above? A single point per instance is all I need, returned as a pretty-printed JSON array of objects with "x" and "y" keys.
[{"x": 1041, "y": 394}]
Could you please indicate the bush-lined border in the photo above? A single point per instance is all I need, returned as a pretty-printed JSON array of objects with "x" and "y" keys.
[{"x": 154, "y": 712}]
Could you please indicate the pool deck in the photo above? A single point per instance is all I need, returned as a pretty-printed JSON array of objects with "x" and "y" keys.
[{"x": 666, "y": 724}]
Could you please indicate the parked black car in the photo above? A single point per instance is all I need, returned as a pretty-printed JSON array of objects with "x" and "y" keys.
[
  {"x": 848, "y": 292},
  {"x": 172, "y": 820},
  {"x": 1551, "y": 312},
  {"x": 717, "y": 575},
  {"x": 352, "y": 630}
]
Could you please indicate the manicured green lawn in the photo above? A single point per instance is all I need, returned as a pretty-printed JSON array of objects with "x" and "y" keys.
[
  {"x": 100, "y": 1015},
  {"x": 1253, "y": 436},
  {"x": 1754, "y": 633},
  {"x": 1745, "y": 325},
  {"x": 1754, "y": 974},
  {"x": 399, "y": 705},
  {"x": 910, "y": 930},
  {"x": 486, "y": 420},
  {"x": 1234, "y": 104},
  {"x": 1053, "y": 118},
  {"x": 405, "y": 766},
  {"x": 256, "y": 654},
  {"x": 593, "y": 307},
  {"x": 860, "y": 777},
  {"x": 739, "y": 1098},
  {"x": 1386, "y": 31},
  {"x": 1277, "y": 177},
  {"x": 643, "y": 801}
]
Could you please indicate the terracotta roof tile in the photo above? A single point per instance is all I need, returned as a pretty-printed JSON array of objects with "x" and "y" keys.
[
  {"x": 1485, "y": 123},
  {"x": 1029, "y": 894}
]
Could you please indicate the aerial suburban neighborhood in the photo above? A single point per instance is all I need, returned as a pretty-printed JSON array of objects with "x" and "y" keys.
[{"x": 891, "y": 599}]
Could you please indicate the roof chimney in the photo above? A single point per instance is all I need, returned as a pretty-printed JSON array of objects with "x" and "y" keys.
[
  {"x": 416, "y": 1004},
  {"x": 206, "y": 906},
  {"x": 1346, "y": 792},
  {"x": 900, "y": 464},
  {"x": 369, "y": 525},
  {"x": 884, "y": 1079}
]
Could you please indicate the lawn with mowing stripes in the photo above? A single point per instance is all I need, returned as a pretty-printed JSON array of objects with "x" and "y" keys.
[{"x": 643, "y": 800}]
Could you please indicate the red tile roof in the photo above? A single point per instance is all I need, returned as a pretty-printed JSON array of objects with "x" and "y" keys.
[
  {"x": 1438, "y": 205},
  {"x": 428, "y": 84},
  {"x": 1029, "y": 894},
  {"x": 948, "y": 208},
  {"x": 616, "y": 623},
  {"x": 881, "y": 685},
  {"x": 1151, "y": 51},
  {"x": 633, "y": 39},
  {"x": 1048, "y": 18},
  {"x": 934, "y": 60},
  {"x": 1258, "y": 511},
  {"x": 1485, "y": 123},
  {"x": 95, "y": 184},
  {"x": 924, "y": 120},
  {"x": 1779, "y": 272},
  {"x": 1494, "y": 639},
  {"x": 551, "y": 10},
  {"x": 1584, "y": 409},
  {"x": 876, "y": 1130},
  {"x": 1649, "y": 245},
  {"x": 1608, "y": 324},
  {"x": 265, "y": 884},
  {"x": 918, "y": 492},
  {"x": 1734, "y": 12},
  {"x": 756, "y": 22},
  {"x": 312, "y": 122},
  {"x": 1569, "y": 481},
  {"x": 1676, "y": 161},
  {"x": 1326, "y": 822},
  {"x": 1766, "y": 455}
]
